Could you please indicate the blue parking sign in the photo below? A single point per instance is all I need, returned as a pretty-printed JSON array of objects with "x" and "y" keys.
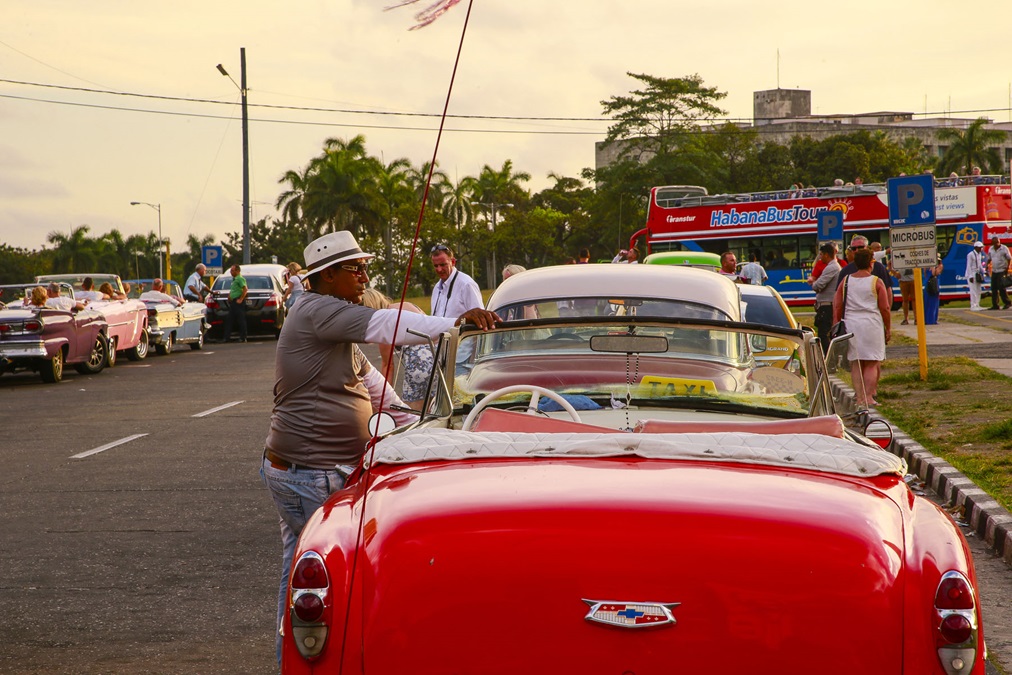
[
  {"x": 911, "y": 200},
  {"x": 212, "y": 257},
  {"x": 830, "y": 226}
]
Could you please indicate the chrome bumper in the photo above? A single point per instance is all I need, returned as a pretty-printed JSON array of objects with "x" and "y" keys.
[{"x": 23, "y": 350}]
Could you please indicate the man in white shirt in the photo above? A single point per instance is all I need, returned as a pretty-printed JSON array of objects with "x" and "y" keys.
[
  {"x": 57, "y": 301},
  {"x": 157, "y": 294},
  {"x": 195, "y": 288},
  {"x": 88, "y": 291},
  {"x": 454, "y": 294}
]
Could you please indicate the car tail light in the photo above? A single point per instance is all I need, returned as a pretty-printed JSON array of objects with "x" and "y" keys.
[
  {"x": 6, "y": 328},
  {"x": 309, "y": 604},
  {"x": 956, "y": 619},
  {"x": 273, "y": 301},
  {"x": 211, "y": 302}
]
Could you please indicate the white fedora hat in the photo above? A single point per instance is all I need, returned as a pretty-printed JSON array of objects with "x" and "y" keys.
[{"x": 333, "y": 248}]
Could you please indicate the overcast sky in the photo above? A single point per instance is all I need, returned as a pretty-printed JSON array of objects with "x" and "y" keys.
[{"x": 70, "y": 158}]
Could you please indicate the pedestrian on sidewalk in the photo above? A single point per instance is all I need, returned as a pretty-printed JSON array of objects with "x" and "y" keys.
[
  {"x": 825, "y": 290},
  {"x": 975, "y": 274},
  {"x": 998, "y": 256},
  {"x": 864, "y": 302},
  {"x": 932, "y": 293}
]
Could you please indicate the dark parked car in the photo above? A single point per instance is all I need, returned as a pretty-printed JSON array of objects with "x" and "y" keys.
[
  {"x": 43, "y": 339},
  {"x": 265, "y": 309}
]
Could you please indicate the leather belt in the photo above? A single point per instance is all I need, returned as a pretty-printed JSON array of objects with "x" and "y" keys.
[{"x": 281, "y": 464}]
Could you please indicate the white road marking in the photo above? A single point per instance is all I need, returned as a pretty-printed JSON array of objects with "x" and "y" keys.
[
  {"x": 214, "y": 410},
  {"x": 95, "y": 451}
]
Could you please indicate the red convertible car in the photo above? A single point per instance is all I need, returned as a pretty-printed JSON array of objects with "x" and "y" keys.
[
  {"x": 127, "y": 318},
  {"x": 43, "y": 339},
  {"x": 612, "y": 483}
]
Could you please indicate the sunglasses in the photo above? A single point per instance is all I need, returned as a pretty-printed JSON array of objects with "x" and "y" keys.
[
  {"x": 360, "y": 268},
  {"x": 439, "y": 247},
  {"x": 856, "y": 248}
]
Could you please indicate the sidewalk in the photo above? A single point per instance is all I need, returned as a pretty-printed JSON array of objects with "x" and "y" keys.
[{"x": 969, "y": 329}]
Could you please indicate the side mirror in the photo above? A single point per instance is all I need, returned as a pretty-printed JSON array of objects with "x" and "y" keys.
[
  {"x": 880, "y": 432},
  {"x": 381, "y": 423}
]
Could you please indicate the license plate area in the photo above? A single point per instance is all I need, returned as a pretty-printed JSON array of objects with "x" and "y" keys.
[{"x": 250, "y": 302}]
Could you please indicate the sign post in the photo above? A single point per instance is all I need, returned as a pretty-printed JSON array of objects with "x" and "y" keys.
[{"x": 913, "y": 240}]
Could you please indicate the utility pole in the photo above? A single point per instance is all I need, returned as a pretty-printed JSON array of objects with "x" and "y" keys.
[{"x": 245, "y": 151}]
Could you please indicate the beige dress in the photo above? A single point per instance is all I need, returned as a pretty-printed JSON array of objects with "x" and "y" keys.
[{"x": 864, "y": 320}]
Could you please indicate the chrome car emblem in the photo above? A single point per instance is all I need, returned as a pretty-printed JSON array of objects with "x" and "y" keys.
[{"x": 631, "y": 614}]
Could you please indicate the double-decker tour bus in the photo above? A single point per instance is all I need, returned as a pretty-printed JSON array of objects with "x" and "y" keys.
[{"x": 781, "y": 227}]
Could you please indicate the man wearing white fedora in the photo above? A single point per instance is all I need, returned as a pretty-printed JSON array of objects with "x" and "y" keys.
[{"x": 325, "y": 389}]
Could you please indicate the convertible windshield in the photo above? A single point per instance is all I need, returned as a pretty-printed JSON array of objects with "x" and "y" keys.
[
  {"x": 642, "y": 362},
  {"x": 610, "y": 306}
]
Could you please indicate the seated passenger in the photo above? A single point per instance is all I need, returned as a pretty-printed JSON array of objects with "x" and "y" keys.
[
  {"x": 107, "y": 290},
  {"x": 157, "y": 294},
  {"x": 57, "y": 301},
  {"x": 37, "y": 297},
  {"x": 88, "y": 291}
]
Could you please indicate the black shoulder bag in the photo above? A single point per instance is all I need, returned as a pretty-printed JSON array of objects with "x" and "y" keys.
[{"x": 840, "y": 328}]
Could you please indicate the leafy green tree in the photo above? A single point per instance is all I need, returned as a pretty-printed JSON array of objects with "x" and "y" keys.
[
  {"x": 73, "y": 252},
  {"x": 971, "y": 147},
  {"x": 338, "y": 197},
  {"x": 21, "y": 266}
]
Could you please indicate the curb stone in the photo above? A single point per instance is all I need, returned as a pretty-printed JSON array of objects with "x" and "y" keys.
[{"x": 988, "y": 519}]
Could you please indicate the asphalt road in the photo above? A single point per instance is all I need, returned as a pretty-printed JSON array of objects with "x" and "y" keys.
[{"x": 161, "y": 554}]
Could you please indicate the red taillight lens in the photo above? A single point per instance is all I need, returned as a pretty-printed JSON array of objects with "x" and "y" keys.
[
  {"x": 310, "y": 573},
  {"x": 308, "y": 607},
  {"x": 273, "y": 301},
  {"x": 5, "y": 328},
  {"x": 954, "y": 592},
  {"x": 33, "y": 326},
  {"x": 955, "y": 629}
]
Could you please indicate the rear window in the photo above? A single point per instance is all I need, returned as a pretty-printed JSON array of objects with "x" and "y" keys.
[
  {"x": 253, "y": 283},
  {"x": 765, "y": 309}
]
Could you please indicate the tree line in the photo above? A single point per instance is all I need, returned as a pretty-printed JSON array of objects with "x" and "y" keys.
[{"x": 665, "y": 133}]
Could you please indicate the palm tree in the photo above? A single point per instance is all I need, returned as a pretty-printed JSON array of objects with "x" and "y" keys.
[
  {"x": 971, "y": 147},
  {"x": 74, "y": 252},
  {"x": 458, "y": 202},
  {"x": 337, "y": 197}
]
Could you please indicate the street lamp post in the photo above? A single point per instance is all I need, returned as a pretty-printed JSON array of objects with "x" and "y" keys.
[
  {"x": 492, "y": 207},
  {"x": 161, "y": 242},
  {"x": 245, "y": 151}
]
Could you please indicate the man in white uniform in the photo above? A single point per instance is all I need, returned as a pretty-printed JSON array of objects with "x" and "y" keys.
[{"x": 974, "y": 274}]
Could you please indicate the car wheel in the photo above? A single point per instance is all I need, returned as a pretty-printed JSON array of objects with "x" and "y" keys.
[
  {"x": 99, "y": 356},
  {"x": 139, "y": 352},
  {"x": 199, "y": 344},
  {"x": 52, "y": 369},
  {"x": 166, "y": 346},
  {"x": 111, "y": 361}
]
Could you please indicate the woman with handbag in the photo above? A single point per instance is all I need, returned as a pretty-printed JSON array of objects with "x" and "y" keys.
[{"x": 863, "y": 301}]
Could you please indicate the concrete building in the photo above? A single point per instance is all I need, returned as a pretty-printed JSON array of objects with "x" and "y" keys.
[{"x": 780, "y": 114}]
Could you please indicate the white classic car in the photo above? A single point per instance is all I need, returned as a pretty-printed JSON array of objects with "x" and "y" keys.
[{"x": 170, "y": 323}]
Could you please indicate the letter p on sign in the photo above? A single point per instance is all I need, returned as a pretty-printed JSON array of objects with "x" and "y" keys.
[{"x": 911, "y": 200}]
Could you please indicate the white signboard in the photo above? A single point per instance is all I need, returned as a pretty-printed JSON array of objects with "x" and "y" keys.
[
  {"x": 955, "y": 202},
  {"x": 913, "y": 246}
]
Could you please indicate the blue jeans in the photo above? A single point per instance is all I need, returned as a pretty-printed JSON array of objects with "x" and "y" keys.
[{"x": 297, "y": 494}]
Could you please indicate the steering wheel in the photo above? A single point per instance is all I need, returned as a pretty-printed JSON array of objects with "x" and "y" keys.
[
  {"x": 565, "y": 336},
  {"x": 532, "y": 407}
]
